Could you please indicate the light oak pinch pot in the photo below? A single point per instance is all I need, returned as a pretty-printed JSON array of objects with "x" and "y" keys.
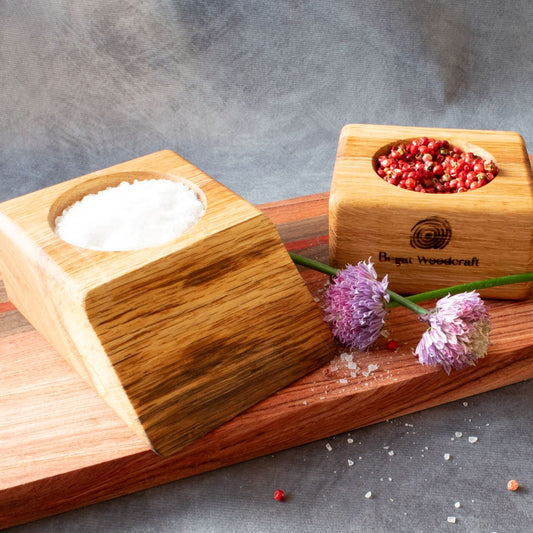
[
  {"x": 177, "y": 338},
  {"x": 429, "y": 241}
]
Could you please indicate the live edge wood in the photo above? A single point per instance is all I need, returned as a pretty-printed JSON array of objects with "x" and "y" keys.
[
  {"x": 428, "y": 241},
  {"x": 177, "y": 338},
  {"x": 62, "y": 447}
]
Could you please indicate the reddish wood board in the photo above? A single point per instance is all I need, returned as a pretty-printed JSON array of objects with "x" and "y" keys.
[{"x": 62, "y": 448}]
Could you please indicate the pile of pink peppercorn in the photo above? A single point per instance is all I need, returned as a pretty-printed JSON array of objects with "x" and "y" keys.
[{"x": 433, "y": 166}]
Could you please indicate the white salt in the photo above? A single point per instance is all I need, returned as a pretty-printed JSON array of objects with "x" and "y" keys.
[
  {"x": 130, "y": 216},
  {"x": 472, "y": 440},
  {"x": 452, "y": 519},
  {"x": 350, "y": 462},
  {"x": 370, "y": 369},
  {"x": 447, "y": 456},
  {"x": 458, "y": 434},
  {"x": 329, "y": 447},
  {"x": 368, "y": 495},
  {"x": 457, "y": 505}
]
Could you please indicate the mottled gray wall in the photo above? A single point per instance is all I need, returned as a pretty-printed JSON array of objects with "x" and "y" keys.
[{"x": 253, "y": 92}]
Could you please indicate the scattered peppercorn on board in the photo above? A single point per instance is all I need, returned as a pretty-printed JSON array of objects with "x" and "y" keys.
[{"x": 62, "y": 447}]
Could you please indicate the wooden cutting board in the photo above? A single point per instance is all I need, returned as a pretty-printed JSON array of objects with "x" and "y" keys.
[{"x": 62, "y": 448}]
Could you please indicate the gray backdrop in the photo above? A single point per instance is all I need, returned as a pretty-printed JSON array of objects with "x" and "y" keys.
[{"x": 255, "y": 94}]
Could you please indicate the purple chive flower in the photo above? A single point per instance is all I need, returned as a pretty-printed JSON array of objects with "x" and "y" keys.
[
  {"x": 458, "y": 333},
  {"x": 356, "y": 305}
]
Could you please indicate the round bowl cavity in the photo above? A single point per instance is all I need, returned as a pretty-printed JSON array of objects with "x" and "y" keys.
[
  {"x": 464, "y": 146},
  {"x": 66, "y": 201}
]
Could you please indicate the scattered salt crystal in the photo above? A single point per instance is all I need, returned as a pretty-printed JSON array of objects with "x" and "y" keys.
[
  {"x": 472, "y": 440},
  {"x": 130, "y": 216},
  {"x": 391, "y": 452},
  {"x": 447, "y": 456},
  {"x": 465, "y": 404},
  {"x": 452, "y": 519},
  {"x": 350, "y": 462},
  {"x": 386, "y": 447},
  {"x": 457, "y": 505},
  {"x": 305, "y": 402},
  {"x": 458, "y": 434},
  {"x": 368, "y": 495},
  {"x": 369, "y": 370},
  {"x": 343, "y": 381},
  {"x": 329, "y": 447},
  {"x": 349, "y": 440}
]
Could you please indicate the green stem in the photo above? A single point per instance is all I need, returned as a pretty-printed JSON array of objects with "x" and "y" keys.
[
  {"x": 315, "y": 265},
  {"x": 332, "y": 271},
  {"x": 410, "y": 301},
  {"x": 472, "y": 286},
  {"x": 406, "y": 301}
]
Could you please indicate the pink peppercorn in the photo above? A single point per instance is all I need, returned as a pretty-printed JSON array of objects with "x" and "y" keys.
[
  {"x": 392, "y": 345},
  {"x": 432, "y": 166},
  {"x": 513, "y": 485},
  {"x": 279, "y": 495}
]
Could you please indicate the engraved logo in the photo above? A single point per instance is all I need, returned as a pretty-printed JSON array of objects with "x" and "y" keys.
[{"x": 432, "y": 232}]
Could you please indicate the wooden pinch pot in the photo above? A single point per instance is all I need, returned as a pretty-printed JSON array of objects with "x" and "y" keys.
[
  {"x": 429, "y": 241},
  {"x": 180, "y": 337}
]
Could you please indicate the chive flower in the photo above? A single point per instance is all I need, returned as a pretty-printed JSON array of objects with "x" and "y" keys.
[
  {"x": 458, "y": 333},
  {"x": 356, "y": 305}
]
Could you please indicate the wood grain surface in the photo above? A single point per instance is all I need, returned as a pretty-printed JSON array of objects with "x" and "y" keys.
[
  {"x": 490, "y": 229},
  {"x": 62, "y": 447},
  {"x": 177, "y": 338}
]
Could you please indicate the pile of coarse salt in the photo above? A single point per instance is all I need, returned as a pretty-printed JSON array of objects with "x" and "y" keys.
[{"x": 130, "y": 216}]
